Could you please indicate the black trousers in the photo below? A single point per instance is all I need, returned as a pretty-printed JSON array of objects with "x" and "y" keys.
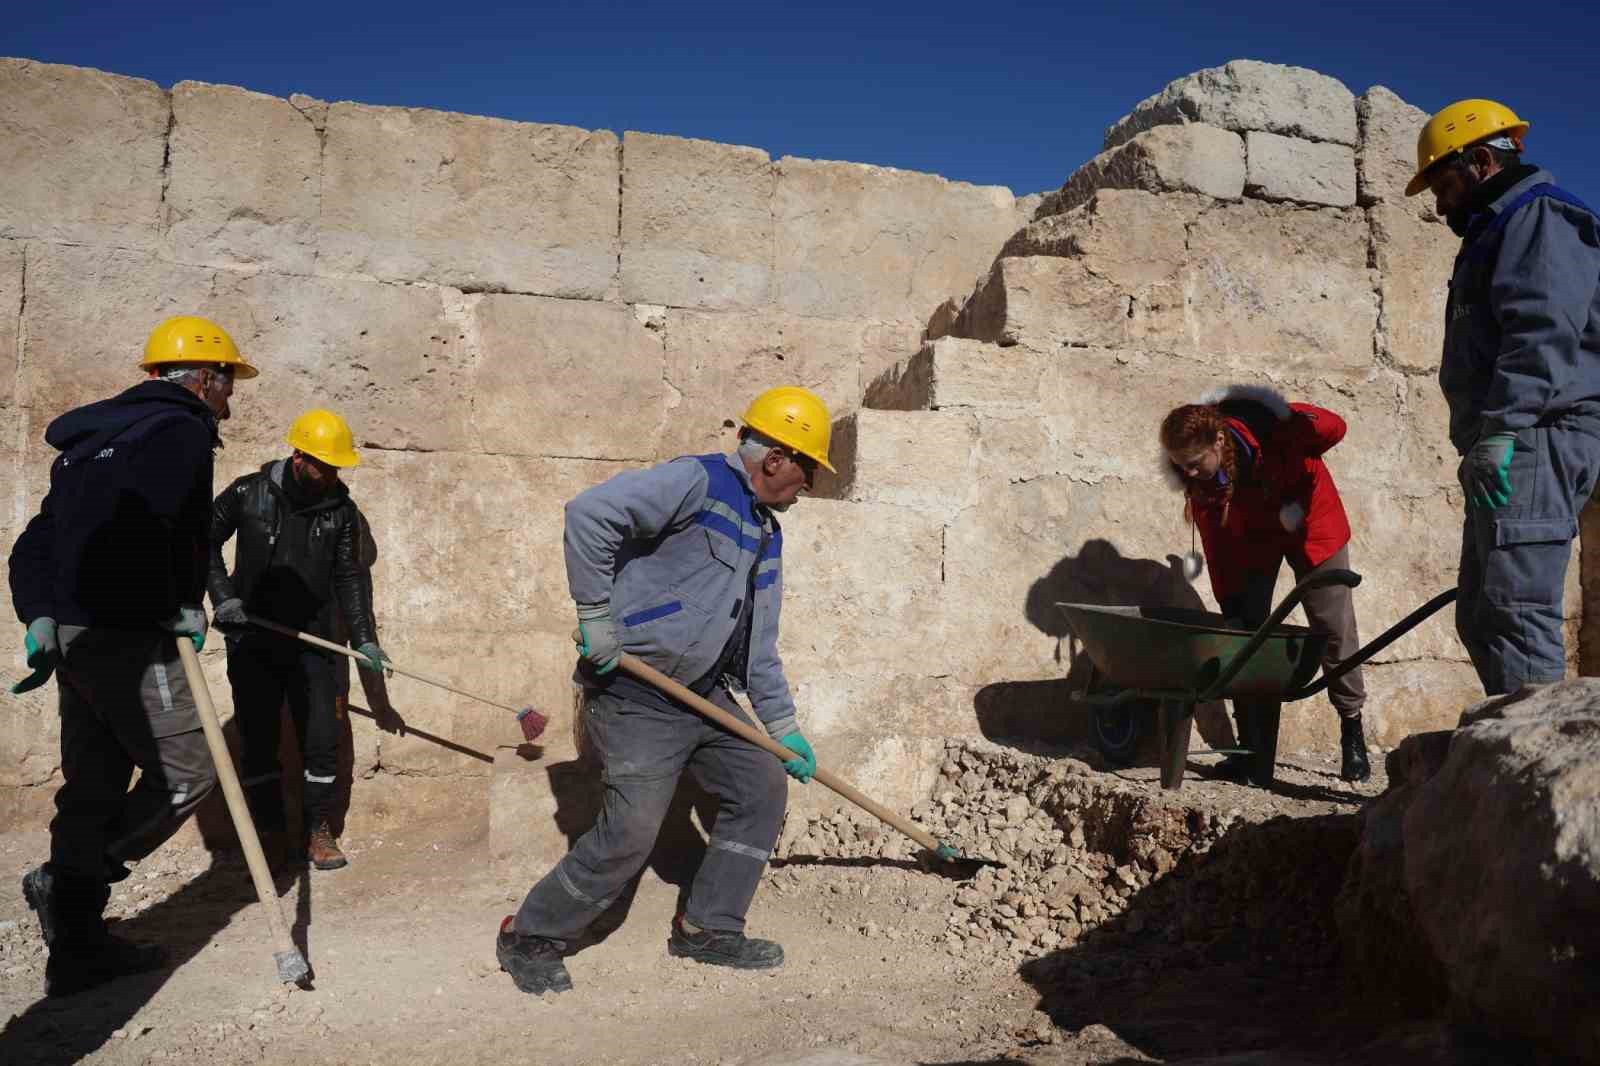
[{"x": 264, "y": 670}]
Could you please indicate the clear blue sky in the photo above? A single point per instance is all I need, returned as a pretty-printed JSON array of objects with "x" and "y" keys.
[{"x": 1000, "y": 92}]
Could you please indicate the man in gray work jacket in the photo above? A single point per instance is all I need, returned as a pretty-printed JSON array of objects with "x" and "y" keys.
[
  {"x": 1521, "y": 375},
  {"x": 680, "y": 566}
]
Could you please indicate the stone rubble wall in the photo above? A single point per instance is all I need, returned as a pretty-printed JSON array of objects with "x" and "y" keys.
[
  {"x": 1247, "y": 224},
  {"x": 506, "y": 313}
]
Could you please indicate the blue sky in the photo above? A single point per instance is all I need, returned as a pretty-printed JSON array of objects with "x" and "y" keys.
[{"x": 1015, "y": 94}]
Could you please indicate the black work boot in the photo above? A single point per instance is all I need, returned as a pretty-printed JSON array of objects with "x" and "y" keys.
[
  {"x": 38, "y": 888},
  {"x": 533, "y": 962},
  {"x": 1237, "y": 767},
  {"x": 723, "y": 949},
  {"x": 1353, "y": 750},
  {"x": 76, "y": 965}
]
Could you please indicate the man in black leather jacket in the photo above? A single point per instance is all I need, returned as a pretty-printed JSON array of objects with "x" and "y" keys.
[{"x": 298, "y": 546}]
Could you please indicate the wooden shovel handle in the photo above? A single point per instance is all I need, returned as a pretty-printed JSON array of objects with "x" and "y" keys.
[{"x": 685, "y": 695}]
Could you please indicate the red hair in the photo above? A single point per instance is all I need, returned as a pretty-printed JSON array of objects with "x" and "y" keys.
[{"x": 1194, "y": 426}]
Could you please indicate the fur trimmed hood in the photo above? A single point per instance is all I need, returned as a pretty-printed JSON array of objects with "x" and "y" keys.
[{"x": 1259, "y": 395}]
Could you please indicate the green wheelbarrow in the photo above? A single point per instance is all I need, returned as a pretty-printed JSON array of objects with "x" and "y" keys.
[{"x": 1179, "y": 658}]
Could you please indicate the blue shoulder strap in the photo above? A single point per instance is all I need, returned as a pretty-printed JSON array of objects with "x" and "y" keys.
[{"x": 1497, "y": 222}]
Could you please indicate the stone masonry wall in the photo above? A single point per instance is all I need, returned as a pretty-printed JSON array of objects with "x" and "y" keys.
[
  {"x": 505, "y": 312},
  {"x": 509, "y": 312}
]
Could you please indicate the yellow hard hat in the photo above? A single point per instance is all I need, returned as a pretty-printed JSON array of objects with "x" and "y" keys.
[
  {"x": 323, "y": 435},
  {"x": 795, "y": 418},
  {"x": 187, "y": 339},
  {"x": 1463, "y": 123}
]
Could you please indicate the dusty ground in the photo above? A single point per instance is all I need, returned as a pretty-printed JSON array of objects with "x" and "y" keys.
[{"x": 402, "y": 947}]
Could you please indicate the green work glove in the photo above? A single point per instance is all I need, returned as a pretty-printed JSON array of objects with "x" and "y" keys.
[
  {"x": 43, "y": 651},
  {"x": 802, "y": 768},
  {"x": 1483, "y": 472},
  {"x": 190, "y": 621},
  {"x": 373, "y": 657},
  {"x": 597, "y": 636}
]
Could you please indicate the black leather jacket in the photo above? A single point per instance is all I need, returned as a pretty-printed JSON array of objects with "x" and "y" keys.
[{"x": 292, "y": 556}]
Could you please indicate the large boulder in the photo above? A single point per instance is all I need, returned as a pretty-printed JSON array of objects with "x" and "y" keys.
[{"x": 1485, "y": 864}]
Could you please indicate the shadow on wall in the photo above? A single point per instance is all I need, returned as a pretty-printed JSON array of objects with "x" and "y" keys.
[{"x": 1052, "y": 711}]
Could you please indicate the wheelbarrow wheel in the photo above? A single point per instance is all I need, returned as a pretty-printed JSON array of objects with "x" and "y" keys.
[{"x": 1118, "y": 731}]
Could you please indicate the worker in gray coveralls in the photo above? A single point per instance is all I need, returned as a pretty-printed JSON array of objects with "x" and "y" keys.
[
  {"x": 1521, "y": 374},
  {"x": 680, "y": 566}
]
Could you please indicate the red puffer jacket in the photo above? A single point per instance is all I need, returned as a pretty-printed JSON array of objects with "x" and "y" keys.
[{"x": 1285, "y": 504}]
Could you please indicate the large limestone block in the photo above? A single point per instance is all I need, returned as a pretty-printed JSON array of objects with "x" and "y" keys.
[
  {"x": 1167, "y": 159},
  {"x": 922, "y": 461},
  {"x": 716, "y": 362},
  {"x": 955, "y": 372},
  {"x": 1427, "y": 458},
  {"x": 1308, "y": 172},
  {"x": 875, "y": 243},
  {"x": 477, "y": 203},
  {"x": 914, "y": 697},
  {"x": 12, "y": 271},
  {"x": 571, "y": 378},
  {"x": 1129, "y": 236},
  {"x": 391, "y": 359},
  {"x": 696, "y": 223},
  {"x": 83, "y": 151},
  {"x": 1387, "y": 158},
  {"x": 244, "y": 175},
  {"x": 1414, "y": 259},
  {"x": 851, "y": 569},
  {"x": 1249, "y": 95},
  {"x": 1502, "y": 866},
  {"x": 1403, "y": 698},
  {"x": 470, "y": 542},
  {"x": 88, "y": 315},
  {"x": 1048, "y": 302},
  {"x": 1407, "y": 549},
  {"x": 1280, "y": 286}
]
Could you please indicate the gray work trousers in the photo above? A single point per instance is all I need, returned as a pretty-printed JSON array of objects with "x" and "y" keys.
[
  {"x": 1509, "y": 607},
  {"x": 125, "y": 704},
  {"x": 1330, "y": 609},
  {"x": 644, "y": 749}
]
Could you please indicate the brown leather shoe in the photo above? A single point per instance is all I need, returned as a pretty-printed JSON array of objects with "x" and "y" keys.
[{"x": 323, "y": 850}]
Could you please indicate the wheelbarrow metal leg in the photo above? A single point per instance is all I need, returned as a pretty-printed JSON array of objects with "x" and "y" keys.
[{"x": 1177, "y": 720}]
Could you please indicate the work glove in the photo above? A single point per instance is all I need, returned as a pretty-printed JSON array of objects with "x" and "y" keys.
[
  {"x": 190, "y": 621},
  {"x": 1483, "y": 471},
  {"x": 598, "y": 641},
  {"x": 229, "y": 616},
  {"x": 43, "y": 649},
  {"x": 803, "y": 767},
  {"x": 373, "y": 657}
]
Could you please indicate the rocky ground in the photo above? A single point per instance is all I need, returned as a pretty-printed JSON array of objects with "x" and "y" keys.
[{"x": 1126, "y": 925}]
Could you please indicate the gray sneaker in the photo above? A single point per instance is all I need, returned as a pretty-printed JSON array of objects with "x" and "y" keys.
[{"x": 38, "y": 888}]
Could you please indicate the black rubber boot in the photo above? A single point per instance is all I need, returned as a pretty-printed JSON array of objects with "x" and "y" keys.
[
  {"x": 75, "y": 965},
  {"x": 723, "y": 949},
  {"x": 38, "y": 888},
  {"x": 533, "y": 962},
  {"x": 1353, "y": 750},
  {"x": 1237, "y": 767}
]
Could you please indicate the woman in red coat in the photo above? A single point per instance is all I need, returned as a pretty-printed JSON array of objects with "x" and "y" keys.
[{"x": 1255, "y": 486}]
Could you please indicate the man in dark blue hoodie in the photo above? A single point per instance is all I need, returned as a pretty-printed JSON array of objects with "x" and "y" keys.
[{"x": 109, "y": 570}]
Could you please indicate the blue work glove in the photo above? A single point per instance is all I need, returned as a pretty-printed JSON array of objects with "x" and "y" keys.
[
  {"x": 1483, "y": 471},
  {"x": 597, "y": 634},
  {"x": 229, "y": 616},
  {"x": 43, "y": 649},
  {"x": 373, "y": 657},
  {"x": 802, "y": 768},
  {"x": 190, "y": 621}
]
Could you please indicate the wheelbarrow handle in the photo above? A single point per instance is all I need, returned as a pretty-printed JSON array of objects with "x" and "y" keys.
[
  {"x": 1347, "y": 578},
  {"x": 1384, "y": 639}
]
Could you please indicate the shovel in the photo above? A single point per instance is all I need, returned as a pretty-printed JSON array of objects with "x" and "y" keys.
[
  {"x": 944, "y": 852},
  {"x": 292, "y": 968},
  {"x": 530, "y": 720}
]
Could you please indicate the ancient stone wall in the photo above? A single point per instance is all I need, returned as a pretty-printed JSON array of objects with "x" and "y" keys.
[
  {"x": 508, "y": 312},
  {"x": 505, "y": 312}
]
